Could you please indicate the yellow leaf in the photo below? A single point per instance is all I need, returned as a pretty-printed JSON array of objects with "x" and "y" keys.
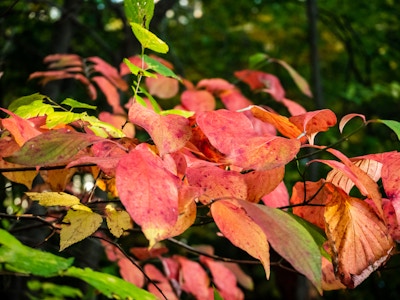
[
  {"x": 117, "y": 221},
  {"x": 78, "y": 225},
  {"x": 54, "y": 198}
]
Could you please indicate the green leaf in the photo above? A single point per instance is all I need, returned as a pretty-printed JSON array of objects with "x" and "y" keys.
[
  {"x": 179, "y": 112},
  {"x": 153, "y": 102},
  {"x": 54, "y": 198},
  {"x": 31, "y": 106},
  {"x": 135, "y": 70},
  {"x": 148, "y": 39},
  {"x": 394, "y": 125},
  {"x": 101, "y": 128},
  {"x": 61, "y": 117},
  {"x": 52, "y": 147},
  {"x": 316, "y": 232},
  {"x": 256, "y": 60},
  {"x": 78, "y": 225},
  {"x": 76, "y": 104},
  {"x": 139, "y": 11},
  {"x": 23, "y": 259},
  {"x": 293, "y": 242},
  {"x": 109, "y": 285},
  {"x": 217, "y": 295},
  {"x": 158, "y": 67},
  {"x": 50, "y": 289}
]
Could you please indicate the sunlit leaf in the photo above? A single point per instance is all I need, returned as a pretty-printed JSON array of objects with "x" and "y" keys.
[
  {"x": 61, "y": 117},
  {"x": 358, "y": 238},
  {"x": 117, "y": 221},
  {"x": 76, "y": 104},
  {"x": 78, "y": 225},
  {"x": 54, "y": 198},
  {"x": 148, "y": 39},
  {"x": 19, "y": 258},
  {"x": 31, "y": 106},
  {"x": 109, "y": 285}
]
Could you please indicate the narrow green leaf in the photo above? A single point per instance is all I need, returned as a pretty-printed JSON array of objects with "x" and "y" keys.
[
  {"x": 149, "y": 40},
  {"x": 217, "y": 295},
  {"x": 57, "y": 291},
  {"x": 159, "y": 68},
  {"x": 109, "y": 285},
  {"x": 179, "y": 112},
  {"x": 135, "y": 70},
  {"x": 394, "y": 125},
  {"x": 20, "y": 258},
  {"x": 139, "y": 11},
  {"x": 54, "y": 198},
  {"x": 153, "y": 102},
  {"x": 52, "y": 147},
  {"x": 78, "y": 225},
  {"x": 256, "y": 60},
  {"x": 76, "y": 104},
  {"x": 101, "y": 128}
]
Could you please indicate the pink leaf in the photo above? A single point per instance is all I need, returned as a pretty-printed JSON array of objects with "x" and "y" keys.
[
  {"x": 162, "y": 283},
  {"x": 109, "y": 72},
  {"x": 149, "y": 192},
  {"x": 349, "y": 117},
  {"x": 215, "y": 85},
  {"x": 110, "y": 92},
  {"x": 162, "y": 87},
  {"x": 198, "y": 101},
  {"x": 130, "y": 272},
  {"x": 279, "y": 197},
  {"x": 170, "y": 133},
  {"x": 234, "y": 100}
]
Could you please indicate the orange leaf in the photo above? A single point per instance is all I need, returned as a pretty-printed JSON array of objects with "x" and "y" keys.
[
  {"x": 315, "y": 195},
  {"x": 236, "y": 225},
  {"x": 281, "y": 123},
  {"x": 358, "y": 239},
  {"x": 260, "y": 183}
]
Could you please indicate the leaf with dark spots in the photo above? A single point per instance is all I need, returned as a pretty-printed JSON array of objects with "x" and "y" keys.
[{"x": 52, "y": 147}]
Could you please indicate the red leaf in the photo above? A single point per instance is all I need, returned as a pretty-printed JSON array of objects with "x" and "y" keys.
[
  {"x": 110, "y": 92},
  {"x": 224, "y": 279},
  {"x": 358, "y": 238},
  {"x": 130, "y": 272},
  {"x": 279, "y": 197},
  {"x": 162, "y": 87},
  {"x": 109, "y": 72},
  {"x": 216, "y": 183},
  {"x": 258, "y": 80},
  {"x": 234, "y": 100},
  {"x": 21, "y": 129},
  {"x": 313, "y": 122},
  {"x": 198, "y": 101},
  {"x": 294, "y": 108},
  {"x": 215, "y": 85},
  {"x": 349, "y": 117},
  {"x": 62, "y": 60},
  {"x": 162, "y": 283},
  {"x": 149, "y": 192},
  {"x": 170, "y": 133}
]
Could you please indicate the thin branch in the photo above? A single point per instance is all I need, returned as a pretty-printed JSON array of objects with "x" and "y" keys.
[{"x": 133, "y": 262}]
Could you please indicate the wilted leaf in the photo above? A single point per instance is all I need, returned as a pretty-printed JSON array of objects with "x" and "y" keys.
[
  {"x": 358, "y": 239},
  {"x": 109, "y": 285},
  {"x": 78, "y": 225},
  {"x": 17, "y": 257},
  {"x": 54, "y": 198},
  {"x": 349, "y": 117},
  {"x": 117, "y": 221}
]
